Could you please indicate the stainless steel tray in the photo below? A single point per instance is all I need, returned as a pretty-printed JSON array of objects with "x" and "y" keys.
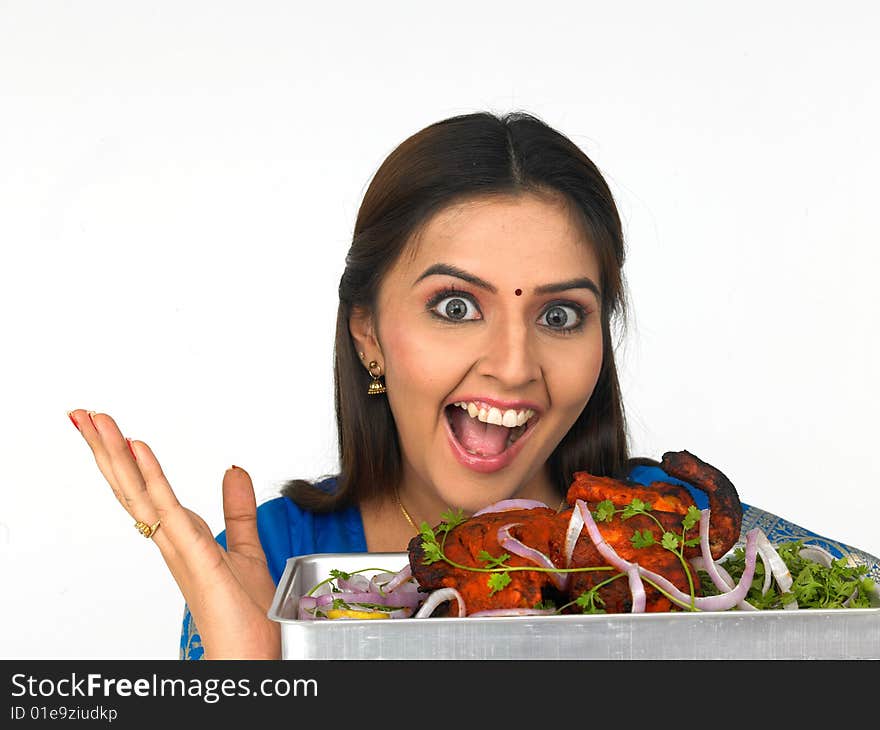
[{"x": 804, "y": 634}]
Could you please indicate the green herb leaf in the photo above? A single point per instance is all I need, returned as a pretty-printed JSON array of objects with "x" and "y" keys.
[
  {"x": 498, "y": 582},
  {"x": 636, "y": 507},
  {"x": 590, "y": 602},
  {"x": 490, "y": 561},
  {"x": 691, "y": 518},
  {"x": 450, "y": 520},
  {"x": 814, "y": 585},
  {"x": 642, "y": 538},
  {"x": 604, "y": 511},
  {"x": 432, "y": 552}
]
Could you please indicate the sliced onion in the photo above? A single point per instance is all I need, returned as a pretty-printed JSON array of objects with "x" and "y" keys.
[
  {"x": 728, "y": 578},
  {"x": 380, "y": 580},
  {"x": 777, "y": 567},
  {"x": 817, "y": 555},
  {"x": 707, "y": 562},
  {"x": 306, "y": 607},
  {"x": 398, "y": 598},
  {"x": 356, "y": 582},
  {"x": 441, "y": 595},
  {"x": 513, "y": 612},
  {"x": 721, "y": 602},
  {"x": 575, "y": 527},
  {"x": 637, "y": 588},
  {"x": 508, "y": 504},
  {"x": 632, "y": 570},
  {"x": 400, "y": 578},
  {"x": 509, "y": 543},
  {"x": 397, "y": 591},
  {"x": 605, "y": 550},
  {"x": 768, "y": 569}
]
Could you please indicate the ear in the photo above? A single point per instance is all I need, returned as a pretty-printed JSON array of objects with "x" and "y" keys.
[{"x": 361, "y": 325}]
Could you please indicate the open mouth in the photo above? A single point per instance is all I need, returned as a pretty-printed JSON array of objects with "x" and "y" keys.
[{"x": 484, "y": 430}]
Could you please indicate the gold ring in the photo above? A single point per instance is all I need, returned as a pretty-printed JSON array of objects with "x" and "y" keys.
[{"x": 145, "y": 529}]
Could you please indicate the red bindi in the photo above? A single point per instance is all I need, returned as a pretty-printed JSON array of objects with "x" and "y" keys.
[{"x": 518, "y": 292}]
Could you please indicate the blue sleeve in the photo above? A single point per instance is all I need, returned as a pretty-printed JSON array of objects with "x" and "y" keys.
[
  {"x": 287, "y": 530},
  {"x": 648, "y": 474}
]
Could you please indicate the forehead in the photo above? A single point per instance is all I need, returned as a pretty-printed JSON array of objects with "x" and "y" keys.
[{"x": 520, "y": 240}]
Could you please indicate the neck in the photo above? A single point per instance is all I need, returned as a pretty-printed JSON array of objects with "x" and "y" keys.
[
  {"x": 406, "y": 515},
  {"x": 416, "y": 504}
]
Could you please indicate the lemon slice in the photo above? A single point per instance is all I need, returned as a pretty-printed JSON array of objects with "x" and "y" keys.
[{"x": 350, "y": 613}]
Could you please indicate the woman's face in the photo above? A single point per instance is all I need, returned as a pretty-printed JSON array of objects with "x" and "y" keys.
[{"x": 495, "y": 306}]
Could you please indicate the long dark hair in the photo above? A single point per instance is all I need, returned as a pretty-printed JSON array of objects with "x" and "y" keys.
[{"x": 467, "y": 157}]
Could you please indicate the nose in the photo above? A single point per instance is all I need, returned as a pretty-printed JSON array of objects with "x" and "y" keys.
[{"x": 510, "y": 354}]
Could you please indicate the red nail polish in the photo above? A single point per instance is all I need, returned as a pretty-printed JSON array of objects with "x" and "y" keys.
[
  {"x": 73, "y": 420},
  {"x": 128, "y": 441}
]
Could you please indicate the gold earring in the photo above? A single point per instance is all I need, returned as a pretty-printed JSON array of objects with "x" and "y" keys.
[{"x": 376, "y": 387}]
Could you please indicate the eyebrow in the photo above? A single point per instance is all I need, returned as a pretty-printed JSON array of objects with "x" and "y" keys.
[
  {"x": 449, "y": 270},
  {"x": 581, "y": 282}
]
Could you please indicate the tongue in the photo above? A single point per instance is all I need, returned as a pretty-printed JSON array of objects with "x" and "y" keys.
[{"x": 485, "y": 439}]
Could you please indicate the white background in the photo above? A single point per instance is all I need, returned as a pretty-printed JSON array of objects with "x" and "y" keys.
[{"x": 178, "y": 186}]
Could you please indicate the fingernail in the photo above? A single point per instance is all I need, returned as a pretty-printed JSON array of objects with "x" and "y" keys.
[
  {"x": 92, "y": 413},
  {"x": 72, "y": 419},
  {"x": 128, "y": 441}
]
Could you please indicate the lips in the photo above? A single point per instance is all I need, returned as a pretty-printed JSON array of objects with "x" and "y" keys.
[{"x": 487, "y": 463}]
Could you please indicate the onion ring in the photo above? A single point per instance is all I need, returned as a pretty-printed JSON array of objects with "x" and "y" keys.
[
  {"x": 575, "y": 527},
  {"x": 720, "y": 602},
  {"x": 441, "y": 595},
  {"x": 776, "y": 565},
  {"x": 508, "y": 504},
  {"x": 632, "y": 570},
  {"x": 707, "y": 562},
  {"x": 512, "y": 545}
]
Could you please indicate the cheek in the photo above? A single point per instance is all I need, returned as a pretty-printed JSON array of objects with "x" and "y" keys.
[
  {"x": 571, "y": 387},
  {"x": 421, "y": 371}
]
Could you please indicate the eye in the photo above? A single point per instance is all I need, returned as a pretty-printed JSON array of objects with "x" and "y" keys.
[
  {"x": 562, "y": 317},
  {"x": 456, "y": 307}
]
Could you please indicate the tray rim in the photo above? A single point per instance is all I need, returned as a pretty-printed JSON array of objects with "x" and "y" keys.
[{"x": 282, "y": 598}]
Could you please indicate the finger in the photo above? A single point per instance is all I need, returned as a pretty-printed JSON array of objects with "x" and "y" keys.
[
  {"x": 126, "y": 472},
  {"x": 82, "y": 419},
  {"x": 189, "y": 537},
  {"x": 240, "y": 514}
]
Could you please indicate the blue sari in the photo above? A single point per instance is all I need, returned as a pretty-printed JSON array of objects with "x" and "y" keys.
[{"x": 286, "y": 530}]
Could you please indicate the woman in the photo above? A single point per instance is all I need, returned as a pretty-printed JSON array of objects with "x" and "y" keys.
[{"x": 474, "y": 362}]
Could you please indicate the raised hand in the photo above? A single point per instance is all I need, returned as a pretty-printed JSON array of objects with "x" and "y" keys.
[{"x": 227, "y": 591}]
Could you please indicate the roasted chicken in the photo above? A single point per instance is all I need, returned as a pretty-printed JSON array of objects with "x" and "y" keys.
[{"x": 628, "y": 518}]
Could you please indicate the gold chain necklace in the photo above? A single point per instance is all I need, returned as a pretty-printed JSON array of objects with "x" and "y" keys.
[{"x": 403, "y": 510}]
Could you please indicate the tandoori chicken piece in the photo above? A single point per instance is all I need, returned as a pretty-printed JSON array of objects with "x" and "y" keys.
[
  {"x": 465, "y": 543},
  {"x": 543, "y": 537}
]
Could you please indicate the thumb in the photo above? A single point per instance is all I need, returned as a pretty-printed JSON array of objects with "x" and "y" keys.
[{"x": 240, "y": 514}]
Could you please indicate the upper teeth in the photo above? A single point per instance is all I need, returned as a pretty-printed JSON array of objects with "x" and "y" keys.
[{"x": 510, "y": 418}]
